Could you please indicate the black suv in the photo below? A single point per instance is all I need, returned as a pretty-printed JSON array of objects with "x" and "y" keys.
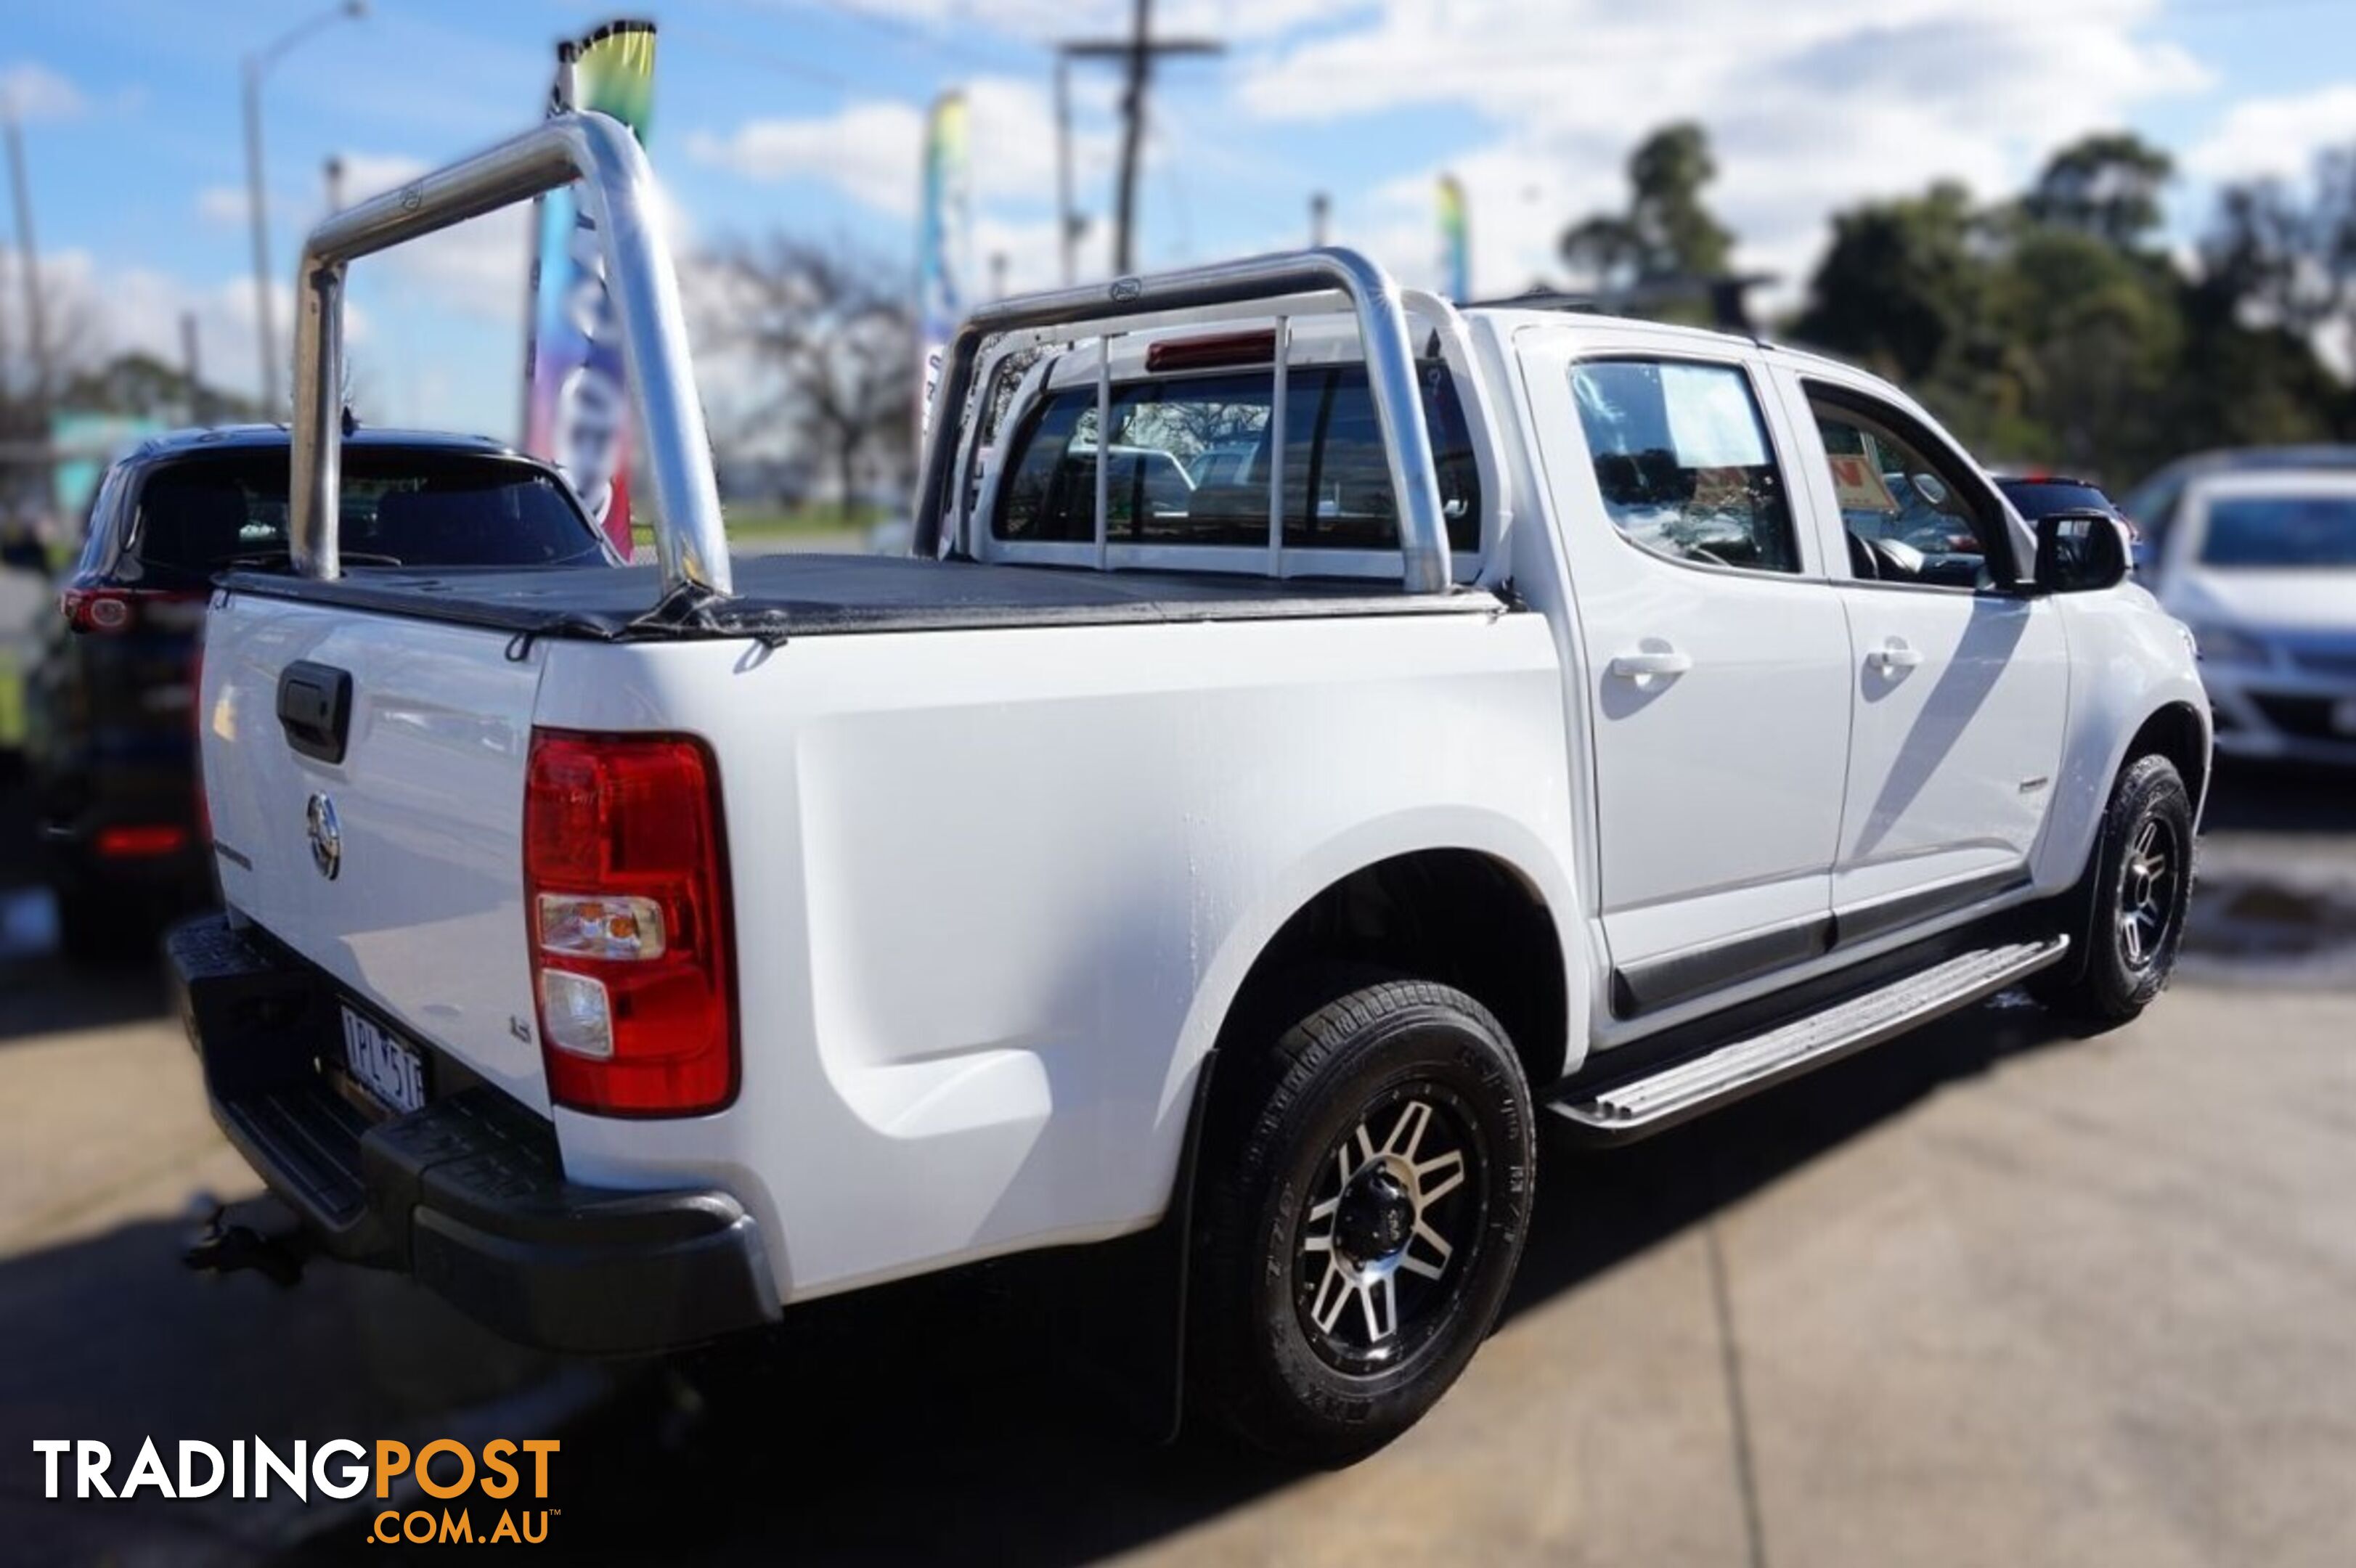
[{"x": 110, "y": 723}]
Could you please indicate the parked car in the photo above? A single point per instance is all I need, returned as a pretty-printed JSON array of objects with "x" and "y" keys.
[
  {"x": 2261, "y": 564},
  {"x": 632, "y": 955},
  {"x": 111, "y": 744},
  {"x": 2044, "y": 494},
  {"x": 2154, "y": 503}
]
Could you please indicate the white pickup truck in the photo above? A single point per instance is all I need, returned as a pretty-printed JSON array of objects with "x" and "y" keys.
[{"x": 1485, "y": 712}]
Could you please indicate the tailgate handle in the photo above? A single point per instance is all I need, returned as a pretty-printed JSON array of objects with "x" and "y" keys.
[{"x": 315, "y": 708}]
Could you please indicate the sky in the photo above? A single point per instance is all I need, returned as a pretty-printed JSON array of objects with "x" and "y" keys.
[{"x": 805, "y": 116}]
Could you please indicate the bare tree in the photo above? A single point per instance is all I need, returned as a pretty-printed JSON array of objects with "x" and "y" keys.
[{"x": 830, "y": 335}]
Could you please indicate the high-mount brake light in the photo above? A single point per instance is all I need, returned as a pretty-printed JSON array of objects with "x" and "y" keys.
[
  {"x": 625, "y": 883},
  {"x": 1214, "y": 352}
]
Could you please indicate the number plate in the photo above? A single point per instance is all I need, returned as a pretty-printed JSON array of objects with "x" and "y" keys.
[
  {"x": 2343, "y": 718},
  {"x": 390, "y": 1069}
]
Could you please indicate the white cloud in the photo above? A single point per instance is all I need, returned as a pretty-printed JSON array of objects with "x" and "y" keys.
[
  {"x": 222, "y": 204},
  {"x": 2275, "y": 138},
  {"x": 98, "y": 312},
  {"x": 1812, "y": 108},
  {"x": 373, "y": 174},
  {"x": 33, "y": 91},
  {"x": 868, "y": 150},
  {"x": 871, "y": 149}
]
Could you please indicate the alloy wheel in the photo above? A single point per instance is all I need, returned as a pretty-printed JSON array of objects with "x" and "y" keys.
[
  {"x": 2148, "y": 887},
  {"x": 1393, "y": 1228}
]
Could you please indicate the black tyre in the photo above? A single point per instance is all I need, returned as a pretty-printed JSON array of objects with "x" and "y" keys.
[
  {"x": 93, "y": 928},
  {"x": 1366, "y": 1194},
  {"x": 2130, "y": 912}
]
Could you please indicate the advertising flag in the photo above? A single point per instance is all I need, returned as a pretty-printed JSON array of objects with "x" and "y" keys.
[
  {"x": 1455, "y": 245},
  {"x": 942, "y": 237},
  {"x": 576, "y": 408}
]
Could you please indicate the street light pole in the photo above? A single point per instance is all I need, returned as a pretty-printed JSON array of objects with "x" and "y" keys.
[
  {"x": 1067, "y": 223},
  {"x": 28, "y": 258},
  {"x": 259, "y": 219},
  {"x": 252, "y": 68}
]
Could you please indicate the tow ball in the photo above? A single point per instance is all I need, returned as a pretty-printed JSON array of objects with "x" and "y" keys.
[{"x": 222, "y": 1247}]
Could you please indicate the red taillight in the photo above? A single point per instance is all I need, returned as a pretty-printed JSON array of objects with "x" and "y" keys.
[
  {"x": 111, "y": 609},
  {"x": 142, "y": 842},
  {"x": 631, "y": 971}
]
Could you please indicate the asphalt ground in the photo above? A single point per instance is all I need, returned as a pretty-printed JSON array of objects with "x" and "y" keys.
[{"x": 1991, "y": 1292}]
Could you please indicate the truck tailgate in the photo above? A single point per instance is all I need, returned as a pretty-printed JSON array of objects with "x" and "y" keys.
[{"x": 396, "y": 866}]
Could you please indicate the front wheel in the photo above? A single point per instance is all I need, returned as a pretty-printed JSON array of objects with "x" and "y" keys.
[
  {"x": 2133, "y": 901},
  {"x": 1366, "y": 1193}
]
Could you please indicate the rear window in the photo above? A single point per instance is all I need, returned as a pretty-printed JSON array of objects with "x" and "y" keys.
[
  {"x": 2281, "y": 531},
  {"x": 205, "y": 515},
  {"x": 1188, "y": 463},
  {"x": 2035, "y": 498}
]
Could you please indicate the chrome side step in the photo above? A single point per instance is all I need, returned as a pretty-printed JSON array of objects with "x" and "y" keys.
[{"x": 1634, "y": 1107}]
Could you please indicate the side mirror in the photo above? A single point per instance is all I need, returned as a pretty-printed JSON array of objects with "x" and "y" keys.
[{"x": 2080, "y": 551}]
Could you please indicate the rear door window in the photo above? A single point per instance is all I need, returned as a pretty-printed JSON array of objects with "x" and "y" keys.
[{"x": 1683, "y": 461}]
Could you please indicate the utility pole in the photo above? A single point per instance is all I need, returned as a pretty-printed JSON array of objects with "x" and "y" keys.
[
  {"x": 1320, "y": 207},
  {"x": 29, "y": 260},
  {"x": 200, "y": 405},
  {"x": 333, "y": 173},
  {"x": 1136, "y": 52}
]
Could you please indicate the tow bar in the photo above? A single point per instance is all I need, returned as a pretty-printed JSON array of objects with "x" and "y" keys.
[{"x": 222, "y": 1247}]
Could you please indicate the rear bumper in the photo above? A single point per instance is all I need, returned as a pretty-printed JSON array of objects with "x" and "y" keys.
[
  {"x": 467, "y": 1195},
  {"x": 77, "y": 808}
]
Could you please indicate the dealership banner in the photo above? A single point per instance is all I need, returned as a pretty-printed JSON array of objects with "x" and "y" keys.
[
  {"x": 942, "y": 237},
  {"x": 1455, "y": 244},
  {"x": 576, "y": 407}
]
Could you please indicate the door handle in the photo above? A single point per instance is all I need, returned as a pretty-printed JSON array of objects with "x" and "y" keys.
[
  {"x": 1651, "y": 661},
  {"x": 1894, "y": 655}
]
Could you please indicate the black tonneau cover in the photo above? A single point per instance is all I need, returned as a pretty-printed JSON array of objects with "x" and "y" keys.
[{"x": 788, "y": 595}]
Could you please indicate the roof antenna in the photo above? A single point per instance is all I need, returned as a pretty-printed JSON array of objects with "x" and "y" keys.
[{"x": 351, "y": 420}]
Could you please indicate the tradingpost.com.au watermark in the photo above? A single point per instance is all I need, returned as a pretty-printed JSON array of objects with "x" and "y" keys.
[{"x": 445, "y": 1470}]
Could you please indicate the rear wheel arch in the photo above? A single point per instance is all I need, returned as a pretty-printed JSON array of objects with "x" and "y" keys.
[{"x": 1466, "y": 918}]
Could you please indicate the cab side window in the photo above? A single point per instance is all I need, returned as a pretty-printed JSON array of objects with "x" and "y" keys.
[
  {"x": 1682, "y": 457},
  {"x": 1910, "y": 514}
]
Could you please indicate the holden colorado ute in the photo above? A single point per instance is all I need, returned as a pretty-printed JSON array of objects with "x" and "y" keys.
[{"x": 1480, "y": 714}]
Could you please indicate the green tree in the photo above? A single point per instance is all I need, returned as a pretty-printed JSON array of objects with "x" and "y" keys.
[
  {"x": 2052, "y": 329},
  {"x": 143, "y": 385},
  {"x": 1667, "y": 233},
  {"x": 1675, "y": 229},
  {"x": 2097, "y": 340},
  {"x": 2107, "y": 186},
  {"x": 1900, "y": 287}
]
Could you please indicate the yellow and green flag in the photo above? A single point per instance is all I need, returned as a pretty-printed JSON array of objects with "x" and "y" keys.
[{"x": 1455, "y": 243}]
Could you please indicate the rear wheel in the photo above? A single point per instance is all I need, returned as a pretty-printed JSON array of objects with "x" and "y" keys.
[
  {"x": 1367, "y": 1194},
  {"x": 2132, "y": 906},
  {"x": 93, "y": 927}
]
